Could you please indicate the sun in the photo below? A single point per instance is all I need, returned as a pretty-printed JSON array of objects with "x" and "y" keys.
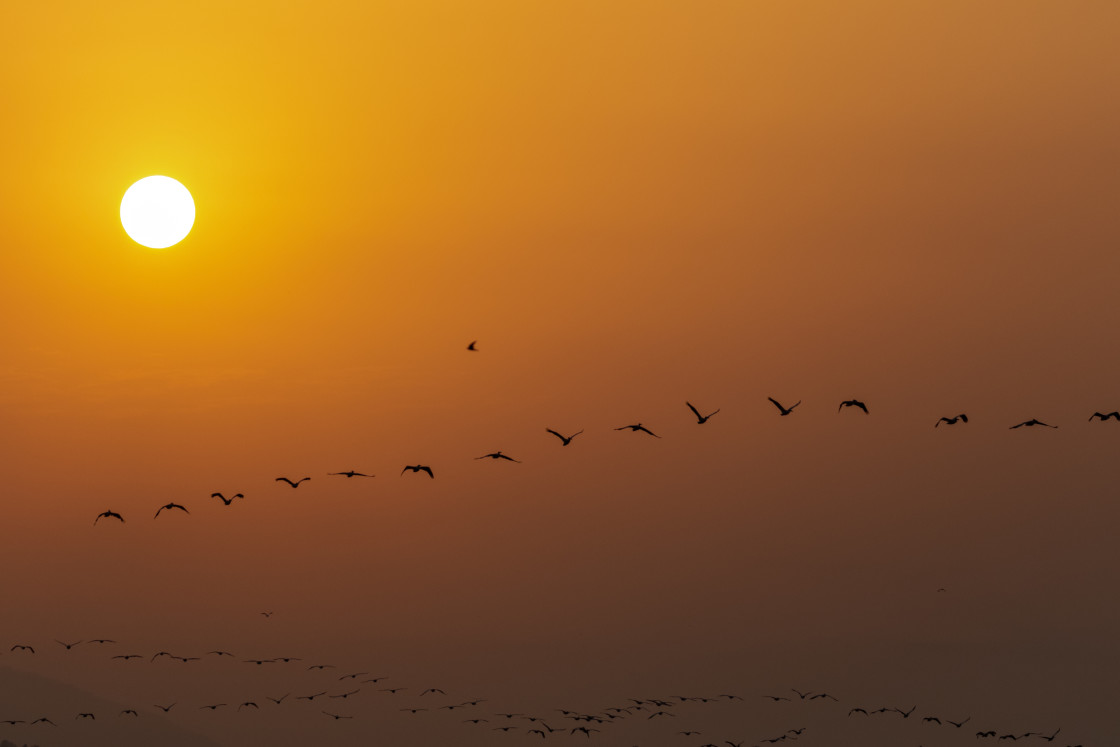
[{"x": 157, "y": 212}]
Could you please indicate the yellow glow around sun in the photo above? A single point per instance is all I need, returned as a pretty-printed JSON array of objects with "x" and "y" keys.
[{"x": 157, "y": 212}]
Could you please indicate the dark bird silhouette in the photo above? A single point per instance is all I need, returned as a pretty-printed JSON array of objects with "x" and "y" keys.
[
  {"x": 800, "y": 694},
  {"x": 20, "y": 647},
  {"x": 858, "y": 710},
  {"x": 1030, "y": 423},
  {"x": 268, "y": 614},
  {"x": 638, "y": 427},
  {"x": 959, "y": 724},
  {"x": 932, "y": 719},
  {"x": 248, "y": 703},
  {"x": 226, "y": 501},
  {"x": 784, "y": 410},
  {"x": 418, "y": 468},
  {"x": 127, "y": 712},
  {"x": 90, "y": 716},
  {"x": 565, "y": 439},
  {"x": 12, "y": 722},
  {"x": 258, "y": 662},
  {"x": 287, "y": 659},
  {"x": 126, "y": 657},
  {"x": 700, "y": 419},
  {"x": 345, "y": 695},
  {"x": 214, "y": 707},
  {"x": 100, "y": 640},
  {"x": 1103, "y": 417},
  {"x": 295, "y": 483},
  {"x": 472, "y": 347},
  {"x": 688, "y": 733},
  {"x": 776, "y": 698},
  {"x": 336, "y": 716},
  {"x": 219, "y": 653},
  {"x": 904, "y": 714},
  {"x": 43, "y": 720},
  {"x": 537, "y": 731},
  {"x": 413, "y": 711},
  {"x": 852, "y": 403},
  {"x": 951, "y": 421},
  {"x": 109, "y": 515},
  {"x": 279, "y": 700},
  {"x": 433, "y": 690},
  {"x": 310, "y": 697},
  {"x": 392, "y": 690},
  {"x": 823, "y": 695},
  {"x": 1049, "y": 738},
  {"x": 584, "y": 729},
  {"x": 353, "y": 676},
  {"x": 65, "y": 645},
  {"x": 351, "y": 473},
  {"x": 165, "y": 709},
  {"x": 169, "y": 507},
  {"x": 498, "y": 455},
  {"x": 321, "y": 666}
]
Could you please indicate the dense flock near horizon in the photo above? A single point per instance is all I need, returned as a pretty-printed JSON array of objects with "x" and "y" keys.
[{"x": 337, "y": 692}]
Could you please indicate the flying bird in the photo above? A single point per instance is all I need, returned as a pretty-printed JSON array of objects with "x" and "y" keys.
[
  {"x": 279, "y": 700},
  {"x": 852, "y": 403},
  {"x": 784, "y": 410},
  {"x": 566, "y": 439},
  {"x": 1030, "y": 423},
  {"x": 100, "y": 640},
  {"x": 472, "y": 347},
  {"x": 214, "y": 707},
  {"x": 65, "y": 645},
  {"x": 86, "y": 715},
  {"x": 335, "y": 716},
  {"x": 294, "y": 484},
  {"x": 127, "y": 712},
  {"x": 700, "y": 419},
  {"x": 638, "y": 427},
  {"x": 1104, "y": 417},
  {"x": 498, "y": 455},
  {"x": 418, "y": 468},
  {"x": 165, "y": 709},
  {"x": 345, "y": 695},
  {"x": 43, "y": 720},
  {"x": 169, "y": 507},
  {"x": 951, "y": 421},
  {"x": 248, "y": 703},
  {"x": 226, "y": 501},
  {"x": 109, "y": 515},
  {"x": 21, "y": 647},
  {"x": 433, "y": 690},
  {"x": 351, "y": 473},
  {"x": 126, "y": 657}
]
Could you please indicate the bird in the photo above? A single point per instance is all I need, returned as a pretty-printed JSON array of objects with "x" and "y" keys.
[
  {"x": 565, "y": 439},
  {"x": 852, "y": 403},
  {"x": 126, "y": 657},
  {"x": 418, "y": 468},
  {"x": 537, "y": 731},
  {"x": 336, "y": 716},
  {"x": 86, "y": 715},
  {"x": 165, "y": 709},
  {"x": 279, "y": 700},
  {"x": 109, "y": 515},
  {"x": 65, "y": 645},
  {"x": 214, "y": 707},
  {"x": 294, "y": 484},
  {"x": 351, "y": 473},
  {"x": 433, "y": 690},
  {"x": 321, "y": 666},
  {"x": 128, "y": 711},
  {"x": 951, "y": 421},
  {"x": 858, "y": 710},
  {"x": 21, "y": 647},
  {"x": 498, "y": 455},
  {"x": 783, "y": 410},
  {"x": 310, "y": 697},
  {"x": 932, "y": 719},
  {"x": 959, "y": 724},
  {"x": 1031, "y": 422},
  {"x": 1104, "y": 417},
  {"x": 345, "y": 695},
  {"x": 823, "y": 695},
  {"x": 776, "y": 698},
  {"x": 225, "y": 500},
  {"x": 248, "y": 703},
  {"x": 12, "y": 722},
  {"x": 1049, "y": 738},
  {"x": 43, "y": 720},
  {"x": 100, "y": 640},
  {"x": 700, "y": 419},
  {"x": 169, "y": 507},
  {"x": 219, "y": 653},
  {"x": 638, "y": 427},
  {"x": 904, "y": 714},
  {"x": 268, "y": 614},
  {"x": 258, "y": 662}
]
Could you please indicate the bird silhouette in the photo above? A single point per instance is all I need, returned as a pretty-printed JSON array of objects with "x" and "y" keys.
[
  {"x": 109, "y": 515},
  {"x": 226, "y": 501},
  {"x": 310, "y": 697},
  {"x": 783, "y": 410},
  {"x": 351, "y": 473},
  {"x": 21, "y": 647},
  {"x": 904, "y": 714},
  {"x": 1049, "y": 738},
  {"x": 169, "y": 507},
  {"x": 65, "y": 645},
  {"x": 852, "y": 403},
  {"x": 951, "y": 421},
  {"x": 43, "y": 720},
  {"x": 128, "y": 712},
  {"x": 1103, "y": 417},
  {"x": 638, "y": 427},
  {"x": 268, "y": 614},
  {"x": 166, "y": 708},
  {"x": 418, "y": 468},
  {"x": 776, "y": 698},
  {"x": 472, "y": 347},
  {"x": 700, "y": 419},
  {"x": 248, "y": 703},
  {"x": 1030, "y": 423},
  {"x": 565, "y": 439},
  {"x": 100, "y": 640},
  {"x": 498, "y": 455},
  {"x": 126, "y": 657},
  {"x": 279, "y": 700},
  {"x": 959, "y": 724},
  {"x": 433, "y": 690},
  {"x": 295, "y": 483},
  {"x": 346, "y": 694},
  {"x": 90, "y": 716},
  {"x": 219, "y": 653},
  {"x": 336, "y": 716},
  {"x": 213, "y": 707}
]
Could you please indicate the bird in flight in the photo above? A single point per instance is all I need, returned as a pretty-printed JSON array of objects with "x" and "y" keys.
[
  {"x": 165, "y": 709},
  {"x": 351, "y": 473},
  {"x": 433, "y": 690},
  {"x": 1031, "y": 422},
  {"x": 783, "y": 410},
  {"x": 852, "y": 403},
  {"x": 214, "y": 707},
  {"x": 86, "y": 715},
  {"x": 279, "y": 700},
  {"x": 498, "y": 455},
  {"x": 101, "y": 640},
  {"x": 65, "y": 645},
  {"x": 566, "y": 439},
  {"x": 638, "y": 427},
  {"x": 248, "y": 703},
  {"x": 21, "y": 647},
  {"x": 951, "y": 421},
  {"x": 226, "y": 501},
  {"x": 126, "y": 657},
  {"x": 268, "y": 614},
  {"x": 128, "y": 712},
  {"x": 472, "y": 347},
  {"x": 169, "y": 507},
  {"x": 109, "y": 515},
  {"x": 346, "y": 694},
  {"x": 293, "y": 483},
  {"x": 310, "y": 697},
  {"x": 418, "y": 468},
  {"x": 43, "y": 720},
  {"x": 336, "y": 717},
  {"x": 700, "y": 419},
  {"x": 1103, "y": 417}
]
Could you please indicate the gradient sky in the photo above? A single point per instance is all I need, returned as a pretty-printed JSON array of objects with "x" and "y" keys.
[{"x": 629, "y": 205}]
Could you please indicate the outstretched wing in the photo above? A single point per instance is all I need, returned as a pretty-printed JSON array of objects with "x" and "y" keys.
[
  {"x": 694, "y": 412},
  {"x": 556, "y": 434}
]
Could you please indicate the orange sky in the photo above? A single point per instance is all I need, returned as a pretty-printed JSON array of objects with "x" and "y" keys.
[{"x": 628, "y": 205}]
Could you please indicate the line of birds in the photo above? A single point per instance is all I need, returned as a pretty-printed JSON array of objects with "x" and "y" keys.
[{"x": 566, "y": 440}]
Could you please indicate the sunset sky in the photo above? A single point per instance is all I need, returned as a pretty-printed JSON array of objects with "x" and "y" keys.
[{"x": 629, "y": 205}]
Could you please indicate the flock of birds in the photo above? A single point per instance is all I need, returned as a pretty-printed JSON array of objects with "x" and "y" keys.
[{"x": 339, "y": 697}]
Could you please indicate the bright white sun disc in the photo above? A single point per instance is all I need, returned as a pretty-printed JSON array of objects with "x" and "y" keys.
[{"x": 157, "y": 212}]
